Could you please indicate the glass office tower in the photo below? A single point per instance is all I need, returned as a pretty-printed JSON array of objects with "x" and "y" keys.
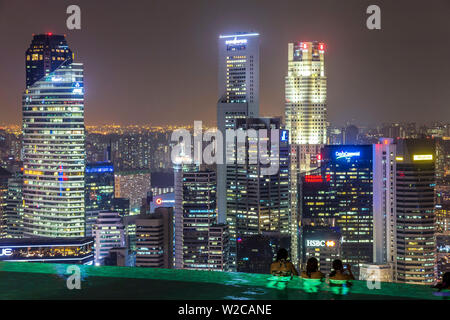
[
  {"x": 238, "y": 82},
  {"x": 415, "y": 183},
  {"x": 340, "y": 194},
  {"x": 257, "y": 202},
  {"x": 200, "y": 243},
  {"x": 46, "y": 53},
  {"x": 53, "y": 141},
  {"x": 306, "y": 93},
  {"x": 99, "y": 191}
]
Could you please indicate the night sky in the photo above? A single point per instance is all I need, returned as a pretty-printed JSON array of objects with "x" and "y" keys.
[{"x": 155, "y": 62}]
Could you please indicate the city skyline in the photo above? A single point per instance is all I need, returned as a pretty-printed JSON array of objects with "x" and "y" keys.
[
  {"x": 364, "y": 82},
  {"x": 321, "y": 166}
]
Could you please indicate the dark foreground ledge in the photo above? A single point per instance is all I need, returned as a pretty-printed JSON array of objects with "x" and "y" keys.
[{"x": 22, "y": 280}]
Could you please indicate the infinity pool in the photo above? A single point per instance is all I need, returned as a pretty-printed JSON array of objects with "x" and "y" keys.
[{"x": 48, "y": 281}]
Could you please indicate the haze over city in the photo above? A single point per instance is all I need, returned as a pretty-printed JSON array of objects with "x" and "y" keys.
[{"x": 156, "y": 61}]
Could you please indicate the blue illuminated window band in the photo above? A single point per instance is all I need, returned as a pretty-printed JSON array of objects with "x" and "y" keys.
[{"x": 100, "y": 169}]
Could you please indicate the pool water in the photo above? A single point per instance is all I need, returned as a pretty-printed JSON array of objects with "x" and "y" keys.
[{"x": 48, "y": 281}]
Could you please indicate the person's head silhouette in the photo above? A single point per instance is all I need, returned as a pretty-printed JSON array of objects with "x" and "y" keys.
[
  {"x": 282, "y": 254},
  {"x": 312, "y": 265}
]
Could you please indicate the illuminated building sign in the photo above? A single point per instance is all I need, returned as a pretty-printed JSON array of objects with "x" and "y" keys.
[
  {"x": 320, "y": 243},
  {"x": 239, "y": 35},
  {"x": 160, "y": 201},
  {"x": 5, "y": 252},
  {"x": 317, "y": 178},
  {"x": 347, "y": 155},
  {"x": 422, "y": 157},
  {"x": 284, "y": 135},
  {"x": 236, "y": 41}
]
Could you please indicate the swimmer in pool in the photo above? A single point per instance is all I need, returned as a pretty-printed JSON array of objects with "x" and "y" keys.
[
  {"x": 445, "y": 283},
  {"x": 312, "y": 270},
  {"x": 339, "y": 273},
  {"x": 283, "y": 267}
]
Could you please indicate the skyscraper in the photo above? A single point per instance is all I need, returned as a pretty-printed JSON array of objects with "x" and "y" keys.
[
  {"x": 53, "y": 140},
  {"x": 404, "y": 208},
  {"x": 13, "y": 209},
  {"x": 218, "y": 247},
  {"x": 258, "y": 202},
  {"x": 415, "y": 211},
  {"x": 154, "y": 239},
  {"x": 4, "y": 178},
  {"x": 339, "y": 194},
  {"x": 306, "y": 93},
  {"x": 99, "y": 191},
  {"x": 46, "y": 53},
  {"x": 238, "y": 92},
  {"x": 109, "y": 232},
  {"x": 199, "y": 214},
  {"x": 384, "y": 233}
]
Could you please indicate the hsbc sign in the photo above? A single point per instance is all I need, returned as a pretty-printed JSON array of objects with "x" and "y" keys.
[{"x": 320, "y": 243}]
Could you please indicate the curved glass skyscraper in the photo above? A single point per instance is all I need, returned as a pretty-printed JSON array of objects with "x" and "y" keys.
[{"x": 53, "y": 141}]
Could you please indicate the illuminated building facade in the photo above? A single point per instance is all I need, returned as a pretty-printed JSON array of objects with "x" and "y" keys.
[
  {"x": 4, "y": 177},
  {"x": 108, "y": 232},
  {"x": 443, "y": 209},
  {"x": 239, "y": 69},
  {"x": 99, "y": 191},
  {"x": 121, "y": 205},
  {"x": 53, "y": 141},
  {"x": 133, "y": 185},
  {"x": 322, "y": 243},
  {"x": 306, "y": 93},
  {"x": 238, "y": 93},
  {"x": 295, "y": 212},
  {"x": 132, "y": 151},
  {"x": 310, "y": 156},
  {"x": 415, "y": 211},
  {"x": 13, "y": 209},
  {"x": 443, "y": 254},
  {"x": 154, "y": 239},
  {"x": 405, "y": 210},
  {"x": 46, "y": 53},
  {"x": 50, "y": 250},
  {"x": 218, "y": 247},
  {"x": 162, "y": 200},
  {"x": 199, "y": 213},
  {"x": 384, "y": 176},
  {"x": 339, "y": 194},
  {"x": 258, "y": 202}
]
